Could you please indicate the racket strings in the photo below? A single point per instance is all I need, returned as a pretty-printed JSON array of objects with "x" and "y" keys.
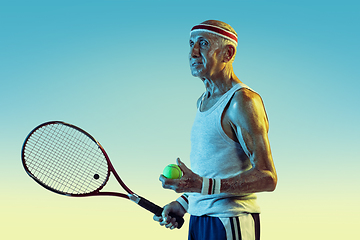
[
  {"x": 42, "y": 169},
  {"x": 48, "y": 173},
  {"x": 65, "y": 159}
]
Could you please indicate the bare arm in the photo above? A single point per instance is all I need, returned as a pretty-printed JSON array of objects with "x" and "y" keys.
[{"x": 246, "y": 116}]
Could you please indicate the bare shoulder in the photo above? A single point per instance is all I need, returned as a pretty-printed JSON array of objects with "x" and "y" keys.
[
  {"x": 245, "y": 97},
  {"x": 246, "y": 107}
]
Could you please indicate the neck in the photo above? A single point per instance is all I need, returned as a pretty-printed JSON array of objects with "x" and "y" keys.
[{"x": 220, "y": 83}]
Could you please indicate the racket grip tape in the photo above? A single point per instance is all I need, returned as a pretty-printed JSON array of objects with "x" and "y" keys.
[{"x": 155, "y": 209}]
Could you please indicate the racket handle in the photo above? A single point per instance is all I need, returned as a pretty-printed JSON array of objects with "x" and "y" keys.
[{"x": 155, "y": 209}]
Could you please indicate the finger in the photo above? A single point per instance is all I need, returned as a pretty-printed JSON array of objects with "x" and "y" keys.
[
  {"x": 171, "y": 223},
  {"x": 167, "y": 183},
  {"x": 157, "y": 218},
  {"x": 174, "y": 226},
  {"x": 162, "y": 178},
  {"x": 182, "y": 165},
  {"x": 164, "y": 221},
  {"x": 165, "y": 214}
]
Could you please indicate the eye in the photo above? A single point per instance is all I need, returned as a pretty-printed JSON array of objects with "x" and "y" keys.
[
  {"x": 204, "y": 43},
  {"x": 191, "y": 43}
]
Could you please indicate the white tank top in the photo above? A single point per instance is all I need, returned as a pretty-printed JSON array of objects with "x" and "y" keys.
[{"x": 215, "y": 155}]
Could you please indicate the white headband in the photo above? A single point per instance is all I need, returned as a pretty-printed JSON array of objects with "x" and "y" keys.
[{"x": 216, "y": 30}]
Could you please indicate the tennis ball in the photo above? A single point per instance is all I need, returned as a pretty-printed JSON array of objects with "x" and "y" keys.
[{"x": 172, "y": 171}]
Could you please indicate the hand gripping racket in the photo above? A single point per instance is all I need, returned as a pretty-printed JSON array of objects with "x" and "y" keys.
[{"x": 67, "y": 160}]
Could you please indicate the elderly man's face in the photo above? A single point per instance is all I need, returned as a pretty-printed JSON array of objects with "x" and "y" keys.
[{"x": 205, "y": 54}]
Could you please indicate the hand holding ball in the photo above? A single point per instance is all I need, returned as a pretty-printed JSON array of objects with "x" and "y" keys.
[{"x": 172, "y": 171}]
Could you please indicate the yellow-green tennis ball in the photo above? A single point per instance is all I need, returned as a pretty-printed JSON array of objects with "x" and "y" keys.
[{"x": 172, "y": 171}]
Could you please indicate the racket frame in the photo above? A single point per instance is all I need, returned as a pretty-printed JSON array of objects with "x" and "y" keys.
[{"x": 131, "y": 195}]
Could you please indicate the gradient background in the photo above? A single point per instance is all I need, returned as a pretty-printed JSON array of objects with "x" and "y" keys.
[{"x": 119, "y": 69}]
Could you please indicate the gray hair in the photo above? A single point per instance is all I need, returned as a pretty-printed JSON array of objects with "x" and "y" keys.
[{"x": 223, "y": 41}]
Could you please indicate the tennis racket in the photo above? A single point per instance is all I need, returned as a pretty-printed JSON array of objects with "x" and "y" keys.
[{"x": 67, "y": 160}]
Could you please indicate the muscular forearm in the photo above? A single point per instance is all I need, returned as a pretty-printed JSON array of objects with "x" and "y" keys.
[{"x": 250, "y": 181}]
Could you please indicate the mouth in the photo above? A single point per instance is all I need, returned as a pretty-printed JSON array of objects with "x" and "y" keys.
[{"x": 196, "y": 63}]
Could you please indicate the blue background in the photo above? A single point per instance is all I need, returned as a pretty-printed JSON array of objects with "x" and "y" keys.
[{"x": 119, "y": 69}]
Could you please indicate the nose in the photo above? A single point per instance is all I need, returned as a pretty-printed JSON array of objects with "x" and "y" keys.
[{"x": 195, "y": 50}]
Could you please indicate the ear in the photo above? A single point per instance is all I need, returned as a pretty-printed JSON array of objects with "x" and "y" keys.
[{"x": 229, "y": 53}]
